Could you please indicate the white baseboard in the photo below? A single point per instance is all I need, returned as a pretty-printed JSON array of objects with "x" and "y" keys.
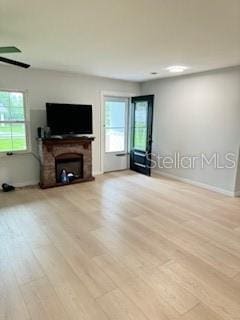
[
  {"x": 197, "y": 184},
  {"x": 25, "y": 184}
]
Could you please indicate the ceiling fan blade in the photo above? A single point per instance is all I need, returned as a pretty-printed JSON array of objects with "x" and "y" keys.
[
  {"x": 9, "y": 50},
  {"x": 15, "y": 63}
]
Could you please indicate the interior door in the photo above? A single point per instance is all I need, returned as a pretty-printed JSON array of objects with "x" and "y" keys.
[
  {"x": 141, "y": 134},
  {"x": 116, "y": 114}
]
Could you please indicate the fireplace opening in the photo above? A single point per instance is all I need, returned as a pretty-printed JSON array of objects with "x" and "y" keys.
[{"x": 72, "y": 163}]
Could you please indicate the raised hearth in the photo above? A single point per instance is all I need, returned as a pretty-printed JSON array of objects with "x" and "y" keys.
[{"x": 72, "y": 154}]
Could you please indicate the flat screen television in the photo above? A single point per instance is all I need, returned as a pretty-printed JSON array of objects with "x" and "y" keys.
[{"x": 69, "y": 119}]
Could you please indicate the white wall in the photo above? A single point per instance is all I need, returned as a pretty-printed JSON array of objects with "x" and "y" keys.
[
  {"x": 50, "y": 86},
  {"x": 198, "y": 113}
]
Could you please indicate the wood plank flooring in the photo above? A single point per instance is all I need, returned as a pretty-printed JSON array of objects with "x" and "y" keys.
[{"x": 124, "y": 247}]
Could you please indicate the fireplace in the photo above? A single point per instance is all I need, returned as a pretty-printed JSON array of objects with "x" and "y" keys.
[
  {"x": 72, "y": 163},
  {"x": 72, "y": 154}
]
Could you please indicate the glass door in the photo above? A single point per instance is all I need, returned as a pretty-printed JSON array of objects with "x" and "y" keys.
[
  {"x": 141, "y": 145},
  {"x": 116, "y": 112}
]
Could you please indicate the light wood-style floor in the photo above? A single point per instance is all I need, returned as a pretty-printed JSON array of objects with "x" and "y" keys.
[{"x": 125, "y": 247}]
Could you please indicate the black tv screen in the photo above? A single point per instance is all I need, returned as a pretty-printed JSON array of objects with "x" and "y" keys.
[{"x": 71, "y": 119}]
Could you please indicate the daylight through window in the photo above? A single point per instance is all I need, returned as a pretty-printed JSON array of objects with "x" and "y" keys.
[{"x": 12, "y": 122}]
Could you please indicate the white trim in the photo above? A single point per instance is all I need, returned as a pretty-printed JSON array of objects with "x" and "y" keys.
[
  {"x": 104, "y": 94},
  {"x": 25, "y": 183},
  {"x": 197, "y": 183}
]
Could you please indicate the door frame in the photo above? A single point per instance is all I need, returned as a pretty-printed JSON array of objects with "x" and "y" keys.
[{"x": 117, "y": 94}]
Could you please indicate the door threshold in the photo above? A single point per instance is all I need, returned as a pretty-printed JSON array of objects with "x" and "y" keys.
[{"x": 120, "y": 170}]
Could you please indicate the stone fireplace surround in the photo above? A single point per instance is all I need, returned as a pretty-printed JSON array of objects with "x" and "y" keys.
[{"x": 52, "y": 149}]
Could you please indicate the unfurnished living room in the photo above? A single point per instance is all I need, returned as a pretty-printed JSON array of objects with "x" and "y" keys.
[{"x": 119, "y": 160}]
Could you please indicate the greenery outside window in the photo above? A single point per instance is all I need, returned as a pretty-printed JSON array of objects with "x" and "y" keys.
[{"x": 13, "y": 122}]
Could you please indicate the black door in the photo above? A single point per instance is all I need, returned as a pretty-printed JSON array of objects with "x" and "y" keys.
[{"x": 141, "y": 134}]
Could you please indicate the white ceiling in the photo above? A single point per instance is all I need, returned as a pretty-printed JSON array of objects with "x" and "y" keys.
[{"x": 125, "y": 39}]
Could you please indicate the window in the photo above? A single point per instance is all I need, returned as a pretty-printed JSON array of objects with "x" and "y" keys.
[
  {"x": 115, "y": 125},
  {"x": 140, "y": 127},
  {"x": 13, "y": 126}
]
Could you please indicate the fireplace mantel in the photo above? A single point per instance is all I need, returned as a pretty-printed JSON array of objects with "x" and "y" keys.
[{"x": 50, "y": 149}]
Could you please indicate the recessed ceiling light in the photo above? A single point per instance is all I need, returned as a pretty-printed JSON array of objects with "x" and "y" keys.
[{"x": 176, "y": 68}]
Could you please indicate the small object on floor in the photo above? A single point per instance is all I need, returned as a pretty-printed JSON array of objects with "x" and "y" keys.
[{"x": 7, "y": 187}]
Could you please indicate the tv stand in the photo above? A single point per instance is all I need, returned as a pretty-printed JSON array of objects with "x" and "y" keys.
[{"x": 74, "y": 154}]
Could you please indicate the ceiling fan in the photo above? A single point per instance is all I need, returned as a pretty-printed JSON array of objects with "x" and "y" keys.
[{"x": 10, "y": 61}]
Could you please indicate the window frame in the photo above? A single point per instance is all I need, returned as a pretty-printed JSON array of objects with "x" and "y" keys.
[{"x": 26, "y": 122}]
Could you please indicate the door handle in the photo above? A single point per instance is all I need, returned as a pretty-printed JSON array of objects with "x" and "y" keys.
[{"x": 121, "y": 154}]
